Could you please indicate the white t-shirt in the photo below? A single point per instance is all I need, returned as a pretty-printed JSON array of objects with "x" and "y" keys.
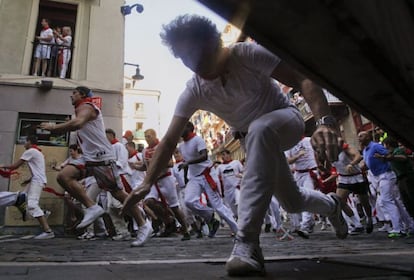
[
  {"x": 44, "y": 33},
  {"x": 340, "y": 165},
  {"x": 307, "y": 161},
  {"x": 249, "y": 92},
  {"x": 229, "y": 173},
  {"x": 36, "y": 162},
  {"x": 137, "y": 177},
  {"x": 121, "y": 158},
  {"x": 66, "y": 42},
  {"x": 190, "y": 150}
]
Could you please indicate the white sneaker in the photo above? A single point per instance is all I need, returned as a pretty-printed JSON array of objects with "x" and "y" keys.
[
  {"x": 245, "y": 259},
  {"x": 90, "y": 215},
  {"x": 144, "y": 232},
  {"x": 45, "y": 235},
  {"x": 126, "y": 236},
  {"x": 86, "y": 236},
  {"x": 385, "y": 228},
  {"x": 336, "y": 219}
]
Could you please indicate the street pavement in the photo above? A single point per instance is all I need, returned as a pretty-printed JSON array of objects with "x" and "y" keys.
[{"x": 322, "y": 256}]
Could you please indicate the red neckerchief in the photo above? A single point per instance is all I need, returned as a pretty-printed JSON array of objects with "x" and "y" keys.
[
  {"x": 156, "y": 142},
  {"x": 189, "y": 136},
  {"x": 114, "y": 141},
  {"x": 227, "y": 161},
  {"x": 36, "y": 147},
  {"x": 178, "y": 161},
  {"x": 345, "y": 146},
  {"x": 83, "y": 100},
  {"x": 134, "y": 154},
  {"x": 46, "y": 27}
]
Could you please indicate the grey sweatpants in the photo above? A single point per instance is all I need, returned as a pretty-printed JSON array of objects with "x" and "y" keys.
[{"x": 267, "y": 173}]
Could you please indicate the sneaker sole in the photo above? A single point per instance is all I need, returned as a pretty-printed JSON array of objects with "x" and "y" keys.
[
  {"x": 339, "y": 215},
  {"x": 238, "y": 268}
]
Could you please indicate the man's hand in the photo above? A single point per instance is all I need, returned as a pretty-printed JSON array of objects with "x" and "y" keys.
[
  {"x": 134, "y": 197},
  {"x": 47, "y": 126},
  {"x": 350, "y": 168},
  {"x": 325, "y": 143},
  {"x": 183, "y": 166}
]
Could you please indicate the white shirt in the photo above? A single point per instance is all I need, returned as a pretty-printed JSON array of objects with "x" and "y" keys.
[
  {"x": 66, "y": 42},
  {"x": 137, "y": 177},
  {"x": 230, "y": 173},
  {"x": 340, "y": 165},
  {"x": 36, "y": 162},
  {"x": 190, "y": 150},
  {"x": 44, "y": 34},
  {"x": 121, "y": 158},
  {"x": 249, "y": 91},
  {"x": 92, "y": 139},
  {"x": 307, "y": 161}
]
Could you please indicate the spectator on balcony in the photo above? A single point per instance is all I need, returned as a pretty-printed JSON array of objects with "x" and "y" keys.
[
  {"x": 52, "y": 69},
  {"x": 43, "y": 48},
  {"x": 65, "y": 54}
]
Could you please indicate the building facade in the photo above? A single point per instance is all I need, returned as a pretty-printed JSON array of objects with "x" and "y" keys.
[
  {"x": 141, "y": 111},
  {"x": 29, "y": 100}
]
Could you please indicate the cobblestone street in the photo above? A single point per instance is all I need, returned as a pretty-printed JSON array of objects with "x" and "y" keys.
[{"x": 320, "y": 257}]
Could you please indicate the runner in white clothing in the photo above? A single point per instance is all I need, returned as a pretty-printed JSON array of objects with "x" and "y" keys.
[
  {"x": 302, "y": 156},
  {"x": 230, "y": 172},
  {"x": 236, "y": 83},
  {"x": 202, "y": 178},
  {"x": 100, "y": 162},
  {"x": 36, "y": 162}
]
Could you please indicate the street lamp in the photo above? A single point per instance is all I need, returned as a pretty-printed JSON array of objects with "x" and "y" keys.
[
  {"x": 137, "y": 76},
  {"x": 126, "y": 9}
]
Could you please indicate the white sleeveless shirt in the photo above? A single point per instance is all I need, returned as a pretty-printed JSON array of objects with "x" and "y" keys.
[
  {"x": 92, "y": 139},
  {"x": 344, "y": 177}
]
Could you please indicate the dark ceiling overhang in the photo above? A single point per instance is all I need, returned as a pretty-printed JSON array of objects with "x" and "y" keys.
[{"x": 361, "y": 51}]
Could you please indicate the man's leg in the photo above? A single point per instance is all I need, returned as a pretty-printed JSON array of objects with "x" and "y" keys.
[
  {"x": 267, "y": 173},
  {"x": 68, "y": 179},
  {"x": 145, "y": 228}
]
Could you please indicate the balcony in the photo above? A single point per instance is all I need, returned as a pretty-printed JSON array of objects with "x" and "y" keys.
[{"x": 58, "y": 53}]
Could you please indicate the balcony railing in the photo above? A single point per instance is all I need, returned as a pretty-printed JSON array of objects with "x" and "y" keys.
[{"x": 55, "y": 61}]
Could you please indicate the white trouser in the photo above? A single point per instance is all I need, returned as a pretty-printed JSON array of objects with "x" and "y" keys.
[
  {"x": 386, "y": 183},
  {"x": 167, "y": 188},
  {"x": 8, "y": 199},
  {"x": 188, "y": 215},
  {"x": 267, "y": 173},
  {"x": 195, "y": 187},
  {"x": 67, "y": 54},
  {"x": 231, "y": 198},
  {"x": 304, "y": 180},
  {"x": 275, "y": 210},
  {"x": 33, "y": 197}
]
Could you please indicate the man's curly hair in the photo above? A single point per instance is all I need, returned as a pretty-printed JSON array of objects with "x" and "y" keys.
[{"x": 189, "y": 27}]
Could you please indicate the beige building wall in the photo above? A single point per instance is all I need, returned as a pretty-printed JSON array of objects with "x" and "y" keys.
[{"x": 97, "y": 62}]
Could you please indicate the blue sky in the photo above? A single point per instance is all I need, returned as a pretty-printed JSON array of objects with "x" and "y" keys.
[{"x": 143, "y": 46}]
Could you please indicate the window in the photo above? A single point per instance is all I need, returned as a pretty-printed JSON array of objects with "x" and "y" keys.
[
  {"x": 139, "y": 108},
  {"x": 59, "y": 15},
  {"x": 139, "y": 126},
  {"x": 28, "y": 124}
]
